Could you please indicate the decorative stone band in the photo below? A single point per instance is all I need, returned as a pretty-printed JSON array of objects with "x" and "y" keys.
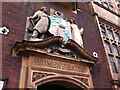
[{"x": 39, "y": 75}]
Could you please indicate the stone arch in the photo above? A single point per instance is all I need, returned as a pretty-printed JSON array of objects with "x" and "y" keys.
[{"x": 65, "y": 78}]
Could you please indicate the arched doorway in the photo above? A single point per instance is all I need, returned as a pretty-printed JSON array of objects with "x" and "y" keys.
[
  {"x": 59, "y": 85},
  {"x": 60, "y": 82}
]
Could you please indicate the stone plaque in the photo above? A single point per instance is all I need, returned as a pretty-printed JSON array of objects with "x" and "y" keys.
[{"x": 59, "y": 65}]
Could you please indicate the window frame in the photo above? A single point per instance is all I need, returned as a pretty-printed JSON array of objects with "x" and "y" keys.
[
  {"x": 109, "y": 30},
  {"x": 109, "y": 39},
  {"x": 107, "y": 49},
  {"x": 112, "y": 63},
  {"x": 114, "y": 49}
]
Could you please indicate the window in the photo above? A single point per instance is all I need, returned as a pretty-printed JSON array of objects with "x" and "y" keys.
[
  {"x": 115, "y": 49},
  {"x": 117, "y": 0},
  {"x": 111, "y": 6},
  {"x": 99, "y": 1},
  {"x": 114, "y": 69},
  {"x": 117, "y": 3},
  {"x": 107, "y": 47},
  {"x": 118, "y": 60},
  {"x": 103, "y": 30},
  {"x": 111, "y": 37},
  {"x": 110, "y": 34},
  {"x": 106, "y": 3},
  {"x": 117, "y": 37}
]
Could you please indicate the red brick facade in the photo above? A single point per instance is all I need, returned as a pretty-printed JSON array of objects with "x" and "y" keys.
[{"x": 14, "y": 17}]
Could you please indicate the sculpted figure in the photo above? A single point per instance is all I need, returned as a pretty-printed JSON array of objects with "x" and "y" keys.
[
  {"x": 54, "y": 25},
  {"x": 40, "y": 22},
  {"x": 76, "y": 32}
]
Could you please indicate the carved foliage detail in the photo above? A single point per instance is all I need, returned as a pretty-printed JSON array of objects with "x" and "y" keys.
[
  {"x": 60, "y": 50},
  {"x": 84, "y": 80},
  {"x": 39, "y": 75}
]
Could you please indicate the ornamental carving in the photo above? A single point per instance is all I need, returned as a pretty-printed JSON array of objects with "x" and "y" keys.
[
  {"x": 84, "y": 80},
  {"x": 61, "y": 51},
  {"x": 54, "y": 46},
  {"x": 38, "y": 75},
  {"x": 41, "y": 26}
]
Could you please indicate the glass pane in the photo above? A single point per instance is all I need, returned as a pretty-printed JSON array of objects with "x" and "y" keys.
[
  {"x": 110, "y": 34},
  {"x": 118, "y": 60},
  {"x": 99, "y": 1},
  {"x": 105, "y": 4},
  {"x": 111, "y": 7},
  {"x": 115, "y": 49},
  {"x": 116, "y": 0},
  {"x": 107, "y": 47},
  {"x": 114, "y": 69},
  {"x": 117, "y": 37},
  {"x": 103, "y": 31}
]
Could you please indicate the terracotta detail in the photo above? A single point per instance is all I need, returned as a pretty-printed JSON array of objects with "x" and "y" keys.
[
  {"x": 84, "y": 80},
  {"x": 38, "y": 75}
]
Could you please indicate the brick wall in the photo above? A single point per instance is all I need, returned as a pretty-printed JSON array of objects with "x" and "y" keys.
[
  {"x": 14, "y": 17},
  {"x": 92, "y": 42}
]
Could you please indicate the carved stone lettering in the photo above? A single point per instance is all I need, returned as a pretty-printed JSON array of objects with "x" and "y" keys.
[{"x": 60, "y": 65}]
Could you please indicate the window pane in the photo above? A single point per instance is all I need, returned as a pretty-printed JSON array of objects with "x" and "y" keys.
[
  {"x": 103, "y": 31},
  {"x": 114, "y": 69},
  {"x": 110, "y": 34},
  {"x": 118, "y": 60},
  {"x": 108, "y": 4},
  {"x": 117, "y": 37},
  {"x": 105, "y": 4},
  {"x": 99, "y": 1},
  {"x": 111, "y": 7},
  {"x": 115, "y": 49},
  {"x": 117, "y": 0},
  {"x": 107, "y": 47}
]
